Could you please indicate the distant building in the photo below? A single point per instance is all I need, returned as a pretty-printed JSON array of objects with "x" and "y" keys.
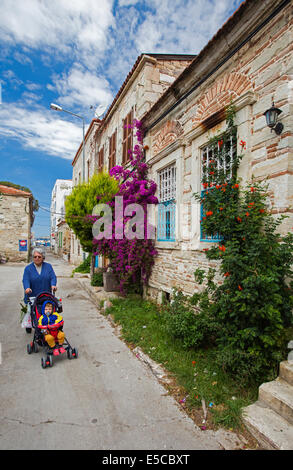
[
  {"x": 16, "y": 211},
  {"x": 61, "y": 190},
  {"x": 41, "y": 241}
]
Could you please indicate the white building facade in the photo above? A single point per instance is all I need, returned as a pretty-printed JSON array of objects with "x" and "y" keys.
[{"x": 61, "y": 189}]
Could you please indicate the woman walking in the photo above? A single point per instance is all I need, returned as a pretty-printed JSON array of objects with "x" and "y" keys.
[{"x": 38, "y": 276}]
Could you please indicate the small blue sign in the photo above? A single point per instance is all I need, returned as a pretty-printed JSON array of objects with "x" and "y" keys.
[{"x": 22, "y": 245}]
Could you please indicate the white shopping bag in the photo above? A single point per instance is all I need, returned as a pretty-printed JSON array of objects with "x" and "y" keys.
[{"x": 27, "y": 321}]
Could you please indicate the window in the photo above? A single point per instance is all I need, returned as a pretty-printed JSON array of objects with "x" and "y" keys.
[
  {"x": 101, "y": 160},
  {"x": 88, "y": 170},
  {"x": 127, "y": 137},
  {"x": 222, "y": 153},
  {"x": 112, "y": 150},
  {"x": 167, "y": 204}
]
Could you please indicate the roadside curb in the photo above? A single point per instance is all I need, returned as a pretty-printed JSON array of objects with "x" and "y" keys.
[{"x": 97, "y": 294}]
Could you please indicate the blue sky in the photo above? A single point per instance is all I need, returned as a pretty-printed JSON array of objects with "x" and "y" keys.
[{"x": 77, "y": 53}]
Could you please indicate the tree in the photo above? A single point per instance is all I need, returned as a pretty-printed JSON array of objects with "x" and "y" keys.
[
  {"x": 131, "y": 254},
  {"x": 81, "y": 202},
  {"x": 248, "y": 315}
]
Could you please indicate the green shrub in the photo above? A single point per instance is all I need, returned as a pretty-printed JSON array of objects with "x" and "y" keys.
[
  {"x": 248, "y": 315},
  {"x": 194, "y": 327},
  {"x": 97, "y": 279}
]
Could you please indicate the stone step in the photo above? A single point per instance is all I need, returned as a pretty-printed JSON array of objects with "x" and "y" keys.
[
  {"x": 286, "y": 371},
  {"x": 278, "y": 395},
  {"x": 270, "y": 429}
]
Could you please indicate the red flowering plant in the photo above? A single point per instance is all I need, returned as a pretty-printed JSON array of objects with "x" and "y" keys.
[
  {"x": 220, "y": 188},
  {"x": 247, "y": 315},
  {"x": 131, "y": 253}
]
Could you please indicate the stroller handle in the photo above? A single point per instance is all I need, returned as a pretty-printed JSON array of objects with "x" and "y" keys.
[{"x": 31, "y": 300}]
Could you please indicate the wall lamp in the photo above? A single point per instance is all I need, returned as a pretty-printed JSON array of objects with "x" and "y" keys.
[{"x": 272, "y": 117}]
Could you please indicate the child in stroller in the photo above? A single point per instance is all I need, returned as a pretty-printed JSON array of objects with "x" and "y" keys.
[
  {"x": 47, "y": 322},
  {"x": 51, "y": 324}
]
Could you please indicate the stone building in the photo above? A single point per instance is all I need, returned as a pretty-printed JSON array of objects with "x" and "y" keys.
[
  {"x": 107, "y": 142},
  {"x": 248, "y": 61},
  {"x": 90, "y": 152},
  {"x": 63, "y": 240},
  {"x": 16, "y": 211}
]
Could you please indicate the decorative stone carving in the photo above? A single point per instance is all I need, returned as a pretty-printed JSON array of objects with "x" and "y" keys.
[
  {"x": 168, "y": 134},
  {"x": 220, "y": 95}
]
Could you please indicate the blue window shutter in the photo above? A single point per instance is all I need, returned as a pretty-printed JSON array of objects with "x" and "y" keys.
[
  {"x": 166, "y": 221},
  {"x": 204, "y": 237}
]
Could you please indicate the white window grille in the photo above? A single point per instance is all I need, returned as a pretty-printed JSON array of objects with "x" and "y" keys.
[
  {"x": 167, "y": 204},
  {"x": 222, "y": 154},
  {"x": 219, "y": 156},
  {"x": 167, "y": 183}
]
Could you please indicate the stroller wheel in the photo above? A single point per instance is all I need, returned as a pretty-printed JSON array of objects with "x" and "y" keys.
[
  {"x": 43, "y": 363},
  {"x": 29, "y": 348},
  {"x": 75, "y": 353},
  {"x": 50, "y": 360},
  {"x": 69, "y": 353},
  {"x": 35, "y": 348}
]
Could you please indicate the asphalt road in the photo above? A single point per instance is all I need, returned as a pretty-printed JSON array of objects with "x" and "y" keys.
[{"x": 105, "y": 399}]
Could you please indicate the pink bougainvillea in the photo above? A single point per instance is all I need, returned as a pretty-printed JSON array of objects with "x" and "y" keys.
[{"x": 131, "y": 259}]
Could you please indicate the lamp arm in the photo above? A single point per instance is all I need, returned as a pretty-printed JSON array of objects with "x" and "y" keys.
[{"x": 73, "y": 114}]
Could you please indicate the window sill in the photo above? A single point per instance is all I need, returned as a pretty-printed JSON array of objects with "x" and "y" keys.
[{"x": 168, "y": 245}]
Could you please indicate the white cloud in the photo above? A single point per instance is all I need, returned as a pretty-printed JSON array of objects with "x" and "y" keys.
[
  {"x": 58, "y": 24},
  {"x": 126, "y": 3},
  {"x": 30, "y": 98},
  {"x": 22, "y": 58},
  {"x": 32, "y": 86},
  {"x": 183, "y": 26},
  {"x": 81, "y": 88},
  {"x": 11, "y": 78},
  {"x": 97, "y": 49},
  {"x": 41, "y": 130}
]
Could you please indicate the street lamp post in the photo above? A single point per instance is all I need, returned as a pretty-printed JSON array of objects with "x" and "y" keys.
[{"x": 56, "y": 107}]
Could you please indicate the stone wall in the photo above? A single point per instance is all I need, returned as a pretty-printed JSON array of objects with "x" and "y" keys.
[
  {"x": 148, "y": 82},
  {"x": 15, "y": 225}
]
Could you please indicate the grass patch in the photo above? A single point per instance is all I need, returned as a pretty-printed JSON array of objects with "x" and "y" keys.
[
  {"x": 195, "y": 375},
  {"x": 84, "y": 267}
]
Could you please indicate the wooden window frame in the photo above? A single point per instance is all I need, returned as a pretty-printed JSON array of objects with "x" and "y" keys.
[
  {"x": 88, "y": 170},
  {"x": 112, "y": 150},
  {"x": 127, "y": 141},
  {"x": 101, "y": 160}
]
